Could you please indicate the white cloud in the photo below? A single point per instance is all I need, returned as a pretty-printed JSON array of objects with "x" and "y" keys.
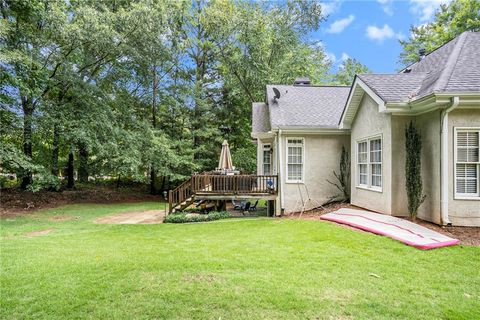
[
  {"x": 345, "y": 56},
  {"x": 387, "y": 6},
  {"x": 339, "y": 25},
  {"x": 379, "y": 34},
  {"x": 330, "y": 7},
  {"x": 426, "y": 9}
]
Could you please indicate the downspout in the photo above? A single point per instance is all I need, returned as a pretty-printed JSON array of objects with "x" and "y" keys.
[
  {"x": 280, "y": 171},
  {"x": 444, "y": 161}
]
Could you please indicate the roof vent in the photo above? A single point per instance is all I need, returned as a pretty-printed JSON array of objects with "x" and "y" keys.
[
  {"x": 303, "y": 81},
  {"x": 421, "y": 53}
]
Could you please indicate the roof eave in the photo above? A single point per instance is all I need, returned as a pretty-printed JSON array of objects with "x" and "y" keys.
[
  {"x": 359, "y": 87},
  {"x": 312, "y": 130}
]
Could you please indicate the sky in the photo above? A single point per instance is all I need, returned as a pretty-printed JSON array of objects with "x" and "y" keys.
[{"x": 369, "y": 30}]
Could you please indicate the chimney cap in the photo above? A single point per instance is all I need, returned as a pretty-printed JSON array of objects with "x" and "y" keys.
[{"x": 301, "y": 81}]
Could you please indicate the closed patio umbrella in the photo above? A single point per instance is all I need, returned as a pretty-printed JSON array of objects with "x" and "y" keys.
[{"x": 225, "y": 162}]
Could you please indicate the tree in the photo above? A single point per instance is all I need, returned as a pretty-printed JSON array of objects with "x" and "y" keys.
[
  {"x": 31, "y": 50},
  {"x": 347, "y": 71},
  {"x": 450, "y": 20},
  {"x": 413, "y": 167},
  {"x": 141, "y": 90}
]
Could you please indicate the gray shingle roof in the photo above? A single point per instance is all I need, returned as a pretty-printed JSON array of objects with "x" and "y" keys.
[
  {"x": 306, "y": 106},
  {"x": 394, "y": 87},
  {"x": 260, "y": 118},
  {"x": 465, "y": 75},
  {"x": 454, "y": 67}
]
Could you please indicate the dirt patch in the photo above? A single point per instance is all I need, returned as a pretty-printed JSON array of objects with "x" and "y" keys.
[
  {"x": 16, "y": 202},
  {"x": 60, "y": 218},
  {"x": 316, "y": 213},
  {"x": 467, "y": 235},
  {"x": 135, "y": 217},
  {"x": 39, "y": 233},
  {"x": 207, "y": 277}
]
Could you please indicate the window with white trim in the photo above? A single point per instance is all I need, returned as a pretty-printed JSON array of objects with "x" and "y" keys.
[
  {"x": 267, "y": 159},
  {"x": 295, "y": 160},
  {"x": 362, "y": 157},
  {"x": 467, "y": 162},
  {"x": 369, "y": 163}
]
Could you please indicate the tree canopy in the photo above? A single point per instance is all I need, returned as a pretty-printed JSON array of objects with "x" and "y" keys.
[{"x": 143, "y": 90}]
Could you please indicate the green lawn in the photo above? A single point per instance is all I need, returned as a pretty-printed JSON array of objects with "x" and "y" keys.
[{"x": 228, "y": 269}]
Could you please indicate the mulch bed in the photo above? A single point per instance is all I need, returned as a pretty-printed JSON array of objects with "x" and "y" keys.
[
  {"x": 467, "y": 235},
  {"x": 15, "y": 202}
]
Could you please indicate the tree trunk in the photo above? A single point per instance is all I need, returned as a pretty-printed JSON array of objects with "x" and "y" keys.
[
  {"x": 55, "y": 149},
  {"x": 162, "y": 188},
  {"x": 70, "y": 169},
  {"x": 153, "y": 187},
  {"x": 83, "y": 163},
  {"x": 27, "y": 139}
]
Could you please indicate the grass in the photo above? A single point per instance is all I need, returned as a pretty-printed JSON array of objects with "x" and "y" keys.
[{"x": 229, "y": 269}]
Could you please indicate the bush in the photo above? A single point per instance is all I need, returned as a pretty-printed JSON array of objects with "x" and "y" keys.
[
  {"x": 413, "y": 169},
  {"x": 185, "y": 218}
]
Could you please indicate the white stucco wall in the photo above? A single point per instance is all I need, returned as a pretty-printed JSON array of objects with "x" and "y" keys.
[
  {"x": 399, "y": 194},
  {"x": 461, "y": 212},
  {"x": 429, "y": 126},
  {"x": 322, "y": 157},
  {"x": 369, "y": 122}
]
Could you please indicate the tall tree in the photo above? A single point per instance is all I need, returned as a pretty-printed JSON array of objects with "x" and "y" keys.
[
  {"x": 347, "y": 71},
  {"x": 32, "y": 34},
  {"x": 450, "y": 20}
]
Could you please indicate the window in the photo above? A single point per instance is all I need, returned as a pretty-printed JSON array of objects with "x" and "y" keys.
[
  {"x": 362, "y": 163},
  {"x": 267, "y": 159},
  {"x": 369, "y": 163},
  {"x": 294, "y": 160},
  {"x": 376, "y": 162},
  {"x": 467, "y": 162}
]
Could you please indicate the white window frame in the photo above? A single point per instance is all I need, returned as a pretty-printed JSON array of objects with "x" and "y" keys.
[
  {"x": 465, "y": 196},
  {"x": 287, "y": 180},
  {"x": 369, "y": 164},
  {"x": 267, "y": 147}
]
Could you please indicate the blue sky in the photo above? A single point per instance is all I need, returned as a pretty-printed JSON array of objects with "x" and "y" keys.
[{"x": 369, "y": 30}]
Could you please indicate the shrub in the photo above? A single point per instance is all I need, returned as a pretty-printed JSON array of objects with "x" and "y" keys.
[
  {"x": 413, "y": 165},
  {"x": 185, "y": 218}
]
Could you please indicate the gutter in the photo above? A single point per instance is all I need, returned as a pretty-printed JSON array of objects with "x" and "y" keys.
[
  {"x": 444, "y": 161},
  {"x": 280, "y": 171}
]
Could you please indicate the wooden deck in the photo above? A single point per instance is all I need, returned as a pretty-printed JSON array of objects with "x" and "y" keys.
[{"x": 222, "y": 187}]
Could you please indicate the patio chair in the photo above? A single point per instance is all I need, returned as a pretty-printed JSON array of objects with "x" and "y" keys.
[
  {"x": 254, "y": 207},
  {"x": 246, "y": 208},
  {"x": 236, "y": 206}
]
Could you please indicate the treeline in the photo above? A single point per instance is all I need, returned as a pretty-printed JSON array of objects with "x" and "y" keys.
[{"x": 141, "y": 90}]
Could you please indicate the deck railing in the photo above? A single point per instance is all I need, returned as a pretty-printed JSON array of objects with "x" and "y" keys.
[
  {"x": 179, "y": 194},
  {"x": 234, "y": 184}
]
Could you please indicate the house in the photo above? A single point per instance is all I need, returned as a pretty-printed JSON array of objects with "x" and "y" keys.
[{"x": 300, "y": 131}]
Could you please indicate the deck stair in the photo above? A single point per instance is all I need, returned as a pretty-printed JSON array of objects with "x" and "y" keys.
[{"x": 181, "y": 197}]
